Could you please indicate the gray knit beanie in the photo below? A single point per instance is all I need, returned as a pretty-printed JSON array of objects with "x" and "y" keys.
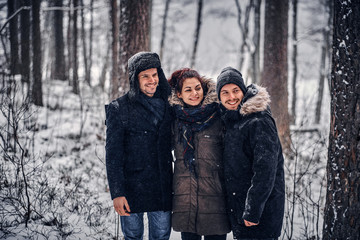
[{"x": 230, "y": 75}]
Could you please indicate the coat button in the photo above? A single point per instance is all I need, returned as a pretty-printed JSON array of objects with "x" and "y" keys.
[{"x": 234, "y": 193}]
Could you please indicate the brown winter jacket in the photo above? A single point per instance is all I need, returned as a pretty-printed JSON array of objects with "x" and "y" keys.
[{"x": 199, "y": 202}]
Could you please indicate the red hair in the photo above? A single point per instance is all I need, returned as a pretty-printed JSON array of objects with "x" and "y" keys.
[{"x": 178, "y": 77}]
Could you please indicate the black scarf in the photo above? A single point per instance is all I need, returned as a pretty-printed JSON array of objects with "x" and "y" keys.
[
  {"x": 192, "y": 120},
  {"x": 154, "y": 105}
]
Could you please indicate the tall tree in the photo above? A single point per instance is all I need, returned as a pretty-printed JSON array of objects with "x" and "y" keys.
[
  {"x": 69, "y": 42},
  {"x": 91, "y": 33},
  {"x": 275, "y": 72},
  {"x": 134, "y": 34},
  {"x": 342, "y": 208},
  {"x": 325, "y": 59},
  {"x": 163, "y": 31},
  {"x": 197, "y": 33},
  {"x": 14, "y": 40},
  {"x": 115, "y": 84},
  {"x": 244, "y": 29},
  {"x": 58, "y": 71},
  {"x": 294, "y": 61},
  {"x": 255, "y": 56},
  {"x": 84, "y": 43},
  {"x": 25, "y": 41},
  {"x": 37, "y": 95},
  {"x": 75, "y": 78}
]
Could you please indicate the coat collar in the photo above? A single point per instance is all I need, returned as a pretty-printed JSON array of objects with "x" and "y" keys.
[{"x": 257, "y": 99}]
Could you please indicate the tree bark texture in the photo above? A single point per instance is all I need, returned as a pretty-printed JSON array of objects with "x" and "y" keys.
[
  {"x": 91, "y": 33},
  {"x": 84, "y": 43},
  {"x": 135, "y": 20},
  {"x": 163, "y": 31},
  {"x": 342, "y": 208},
  {"x": 75, "y": 78},
  {"x": 197, "y": 33},
  {"x": 275, "y": 72},
  {"x": 244, "y": 30},
  {"x": 14, "y": 40},
  {"x": 37, "y": 96},
  {"x": 69, "y": 43},
  {"x": 255, "y": 56},
  {"x": 59, "y": 66},
  {"x": 114, "y": 83},
  {"x": 294, "y": 62},
  {"x": 325, "y": 60},
  {"x": 25, "y": 42}
]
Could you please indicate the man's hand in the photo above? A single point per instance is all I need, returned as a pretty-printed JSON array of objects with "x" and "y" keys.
[
  {"x": 249, "y": 224},
  {"x": 121, "y": 206}
]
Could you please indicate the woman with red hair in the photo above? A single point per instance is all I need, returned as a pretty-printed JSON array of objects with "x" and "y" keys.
[{"x": 199, "y": 200}]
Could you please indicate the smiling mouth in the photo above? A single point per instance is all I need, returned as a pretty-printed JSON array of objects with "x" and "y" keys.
[
  {"x": 151, "y": 85},
  {"x": 233, "y": 103}
]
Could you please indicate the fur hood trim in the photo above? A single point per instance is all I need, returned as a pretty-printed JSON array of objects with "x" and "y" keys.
[
  {"x": 259, "y": 102},
  {"x": 210, "y": 96}
]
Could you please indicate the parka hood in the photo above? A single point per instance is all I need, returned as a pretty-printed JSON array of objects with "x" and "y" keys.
[
  {"x": 256, "y": 99},
  {"x": 143, "y": 61},
  {"x": 209, "y": 98}
]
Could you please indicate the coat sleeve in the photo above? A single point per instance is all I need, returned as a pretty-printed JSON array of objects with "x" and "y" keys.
[
  {"x": 265, "y": 145},
  {"x": 115, "y": 150}
]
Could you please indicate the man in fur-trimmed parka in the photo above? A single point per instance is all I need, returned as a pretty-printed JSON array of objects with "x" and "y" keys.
[
  {"x": 253, "y": 161},
  {"x": 138, "y": 150}
]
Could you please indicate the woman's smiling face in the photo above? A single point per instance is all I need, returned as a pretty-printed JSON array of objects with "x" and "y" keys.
[{"x": 192, "y": 92}]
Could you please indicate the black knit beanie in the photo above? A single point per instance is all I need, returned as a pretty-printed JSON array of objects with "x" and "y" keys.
[{"x": 230, "y": 75}]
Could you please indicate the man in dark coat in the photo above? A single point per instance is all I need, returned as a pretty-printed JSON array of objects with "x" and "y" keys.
[
  {"x": 138, "y": 150},
  {"x": 253, "y": 161}
]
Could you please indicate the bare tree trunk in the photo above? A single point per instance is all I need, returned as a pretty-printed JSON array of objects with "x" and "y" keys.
[
  {"x": 342, "y": 208},
  {"x": 69, "y": 44},
  {"x": 255, "y": 56},
  {"x": 25, "y": 42},
  {"x": 75, "y": 80},
  {"x": 294, "y": 63},
  {"x": 14, "y": 40},
  {"x": 114, "y": 83},
  {"x": 84, "y": 44},
  {"x": 105, "y": 68},
  {"x": 320, "y": 91},
  {"x": 134, "y": 34},
  {"x": 275, "y": 73},
  {"x": 244, "y": 30},
  {"x": 88, "y": 73},
  {"x": 197, "y": 33},
  {"x": 37, "y": 96},
  {"x": 59, "y": 67},
  {"x": 163, "y": 32},
  {"x": 324, "y": 62}
]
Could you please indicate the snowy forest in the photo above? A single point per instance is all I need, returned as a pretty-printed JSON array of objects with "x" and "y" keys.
[{"x": 61, "y": 61}]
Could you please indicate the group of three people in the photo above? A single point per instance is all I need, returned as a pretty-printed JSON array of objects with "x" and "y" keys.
[{"x": 228, "y": 169}]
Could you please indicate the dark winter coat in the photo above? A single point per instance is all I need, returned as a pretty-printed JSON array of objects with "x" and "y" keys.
[
  {"x": 138, "y": 152},
  {"x": 199, "y": 202},
  {"x": 253, "y": 165}
]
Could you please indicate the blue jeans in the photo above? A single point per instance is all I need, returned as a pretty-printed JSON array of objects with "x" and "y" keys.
[
  {"x": 194, "y": 236},
  {"x": 159, "y": 225}
]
